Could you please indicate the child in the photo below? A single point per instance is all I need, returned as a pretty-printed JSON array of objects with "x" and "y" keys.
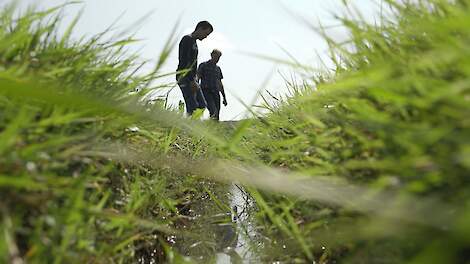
[{"x": 211, "y": 84}]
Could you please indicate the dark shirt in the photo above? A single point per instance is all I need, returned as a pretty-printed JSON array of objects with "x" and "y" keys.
[
  {"x": 210, "y": 75},
  {"x": 187, "y": 55}
]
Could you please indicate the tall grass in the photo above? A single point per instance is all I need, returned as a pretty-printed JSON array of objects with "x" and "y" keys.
[
  {"x": 368, "y": 165},
  {"x": 394, "y": 119},
  {"x": 68, "y": 110}
]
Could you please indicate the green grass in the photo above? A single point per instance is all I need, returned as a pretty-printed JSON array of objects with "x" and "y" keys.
[
  {"x": 368, "y": 165},
  {"x": 394, "y": 119},
  {"x": 75, "y": 185}
]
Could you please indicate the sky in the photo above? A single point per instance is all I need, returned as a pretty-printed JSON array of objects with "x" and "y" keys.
[{"x": 273, "y": 28}]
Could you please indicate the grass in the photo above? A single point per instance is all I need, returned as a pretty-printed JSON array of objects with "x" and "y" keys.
[
  {"x": 73, "y": 186},
  {"x": 369, "y": 164},
  {"x": 394, "y": 120}
]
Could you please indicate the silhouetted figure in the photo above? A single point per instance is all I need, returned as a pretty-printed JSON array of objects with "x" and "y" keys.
[
  {"x": 188, "y": 52},
  {"x": 211, "y": 84}
]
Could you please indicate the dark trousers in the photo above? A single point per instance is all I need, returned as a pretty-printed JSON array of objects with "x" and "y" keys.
[
  {"x": 191, "y": 100},
  {"x": 213, "y": 102}
]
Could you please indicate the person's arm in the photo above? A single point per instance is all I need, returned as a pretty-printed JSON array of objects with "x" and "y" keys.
[
  {"x": 185, "y": 59},
  {"x": 195, "y": 80},
  {"x": 184, "y": 52},
  {"x": 192, "y": 75},
  {"x": 221, "y": 87},
  {"x": 199, "y": 72},
  {"x": 222, "y": 91}
]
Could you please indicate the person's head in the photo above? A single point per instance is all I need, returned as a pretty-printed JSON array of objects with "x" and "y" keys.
[
  {"x": 203, "y": 29},
  {"x": 215, "y": 55}
]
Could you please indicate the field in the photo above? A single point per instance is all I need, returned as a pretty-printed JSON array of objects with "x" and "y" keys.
[{"x": 368, "y": 163}]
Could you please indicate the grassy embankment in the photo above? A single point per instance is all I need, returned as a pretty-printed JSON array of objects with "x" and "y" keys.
[
  {"x": 371, "y": 166},
  {"x": 381, "y": 147},
  {"x": 78, "y": 181}
]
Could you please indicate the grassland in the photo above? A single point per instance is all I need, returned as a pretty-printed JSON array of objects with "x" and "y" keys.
[{"x": 368, "y": 165}]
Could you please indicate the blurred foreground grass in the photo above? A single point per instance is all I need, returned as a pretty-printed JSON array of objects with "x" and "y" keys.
[
  {"x": 394, "y": 119},
  {"x": 369, "y": 165},
  {"x": 75, "y": 186}
]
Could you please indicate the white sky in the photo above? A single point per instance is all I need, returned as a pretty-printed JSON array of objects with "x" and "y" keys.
[{"x": 260, "y": 27}]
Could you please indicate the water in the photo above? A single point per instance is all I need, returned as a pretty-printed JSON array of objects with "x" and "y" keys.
[
  {"x": 240, "y": 235},
  {"x": 219, "y": 227}
]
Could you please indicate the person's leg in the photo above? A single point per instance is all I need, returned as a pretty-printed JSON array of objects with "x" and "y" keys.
[
  {"x": 210, "y": 102},
  {"x": 217, "y": 104},
  {"x": 188, "y": 97},
  {"x": 200, "y": 99}
]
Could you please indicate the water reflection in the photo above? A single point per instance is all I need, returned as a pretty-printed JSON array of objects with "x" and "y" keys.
[
  {"x": 238, "y": 235},
  {"x": 221, "y": 228},
  {"x": 227, "y": 240},
  {"x": 227, "y": 235}
]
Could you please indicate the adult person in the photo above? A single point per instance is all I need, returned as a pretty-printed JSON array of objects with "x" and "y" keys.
[
  {"x": 211, "y": 84},
  {"x": 187, "y": 67}
]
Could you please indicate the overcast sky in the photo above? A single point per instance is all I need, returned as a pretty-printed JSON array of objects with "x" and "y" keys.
[{"x": 262, "y": 27}]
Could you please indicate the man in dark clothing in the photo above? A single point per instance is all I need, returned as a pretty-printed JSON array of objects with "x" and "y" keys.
[
  {"x": 211, "y": 83},
  {"x": 187, "y": 67}
]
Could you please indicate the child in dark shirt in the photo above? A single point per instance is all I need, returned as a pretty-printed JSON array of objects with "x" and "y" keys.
[{"x": 211, "y": 84}]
